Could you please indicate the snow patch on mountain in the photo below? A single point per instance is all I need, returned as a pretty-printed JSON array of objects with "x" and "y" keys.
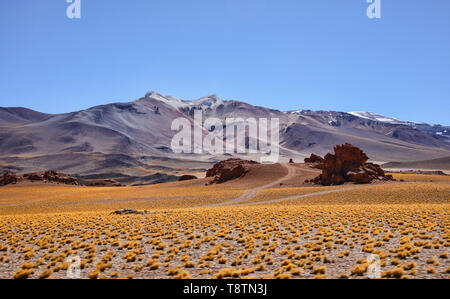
[
  {"x": 211, "y": 101},
  {"x": 378, "y": 117},
  {"x": 172, "y": 101}
]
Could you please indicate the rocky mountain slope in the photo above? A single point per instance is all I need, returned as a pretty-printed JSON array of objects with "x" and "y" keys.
[
  {"x": 134, "y": 138},
  {"x": 439, "y": 164},
  {"x": 438, "y": 131}
]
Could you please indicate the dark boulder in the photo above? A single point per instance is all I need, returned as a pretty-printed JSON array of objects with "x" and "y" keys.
[
  {"x": 228, "y": 170},
  {"x": 187, "y": 178},
  {"x": 130, "y": 212}
]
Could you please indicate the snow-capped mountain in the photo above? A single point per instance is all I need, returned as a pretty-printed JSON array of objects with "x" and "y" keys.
[
  {"x": 439, "y": 131},
  {"x": 210, "y": 101},
  {"x": 122, "y": 137}
]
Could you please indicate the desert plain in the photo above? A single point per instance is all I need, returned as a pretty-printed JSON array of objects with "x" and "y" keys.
[{"x": 268, "y": 224}]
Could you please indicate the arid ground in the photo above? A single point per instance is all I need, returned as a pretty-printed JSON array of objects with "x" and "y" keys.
[{"x": 268, "y": 224}]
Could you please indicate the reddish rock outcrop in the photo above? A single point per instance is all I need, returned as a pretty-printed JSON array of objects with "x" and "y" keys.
[
  {"x": 54, "y": 177},
  {"x": 44, "y": 176},
  {"x": 8, "y": 178},
  {"x": 103, "y": 183},
  {"x": 51, "y": 177},
  {"x": 229, "y": 170},
  {"x": 314, "y": 159},
  {"x": 348, "y": 164},
  {"x": 187, "y": 178}
]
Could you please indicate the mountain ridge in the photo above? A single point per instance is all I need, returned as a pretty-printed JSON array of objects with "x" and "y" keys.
[{"x": 142, "y": 128}]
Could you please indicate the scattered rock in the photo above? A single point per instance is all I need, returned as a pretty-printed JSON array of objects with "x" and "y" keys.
[
  {"x": 348, "y": 164},
  {"x": 130, "y": 212},
  {"x": 228, "y": 170},
  {"x": 104, "y": 183},
  {"x": 187, "y": 178},
  {"x": 291, "y": 161},
  {"x": 8, "y": 178}
]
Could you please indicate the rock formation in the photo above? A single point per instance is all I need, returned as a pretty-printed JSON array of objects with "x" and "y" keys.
[
  {"x": 314, "y": 159},
  {"x": 8, "y": 178},
  {"x": 43, "y": 176},
  {"x": 51, "y": 177},
  {"x": 348, "y": 164},
  {"x": 229, "y": 170}
]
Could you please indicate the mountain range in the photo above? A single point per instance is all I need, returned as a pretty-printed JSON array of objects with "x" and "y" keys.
[{"x": 133, "y": 139}]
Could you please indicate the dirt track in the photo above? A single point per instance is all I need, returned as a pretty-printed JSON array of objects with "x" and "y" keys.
[
  {"x": 292, "y": 174},
  {"x": 254, "y": 191},
  {"x": 303, "y": 196}
]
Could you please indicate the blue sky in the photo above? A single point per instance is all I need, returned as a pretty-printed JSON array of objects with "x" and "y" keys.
[{"x": 284, "y": 54}]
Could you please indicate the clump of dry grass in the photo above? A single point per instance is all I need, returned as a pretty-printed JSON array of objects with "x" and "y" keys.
[
  {"x": 23, "y": 273},
  {"x": 411, "y": 265},
  {"x": 359, "y": 270},
  {"x": 432, "y": 261},
  {"x": 395, "y": 273},
  {"x": 94, "y": 274},
  {"x": 320, "y": 270},
  {"x": 274, "y": 240},
  {"x": 224, "y": 273},
  {"x": 45, "y": 274}
]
